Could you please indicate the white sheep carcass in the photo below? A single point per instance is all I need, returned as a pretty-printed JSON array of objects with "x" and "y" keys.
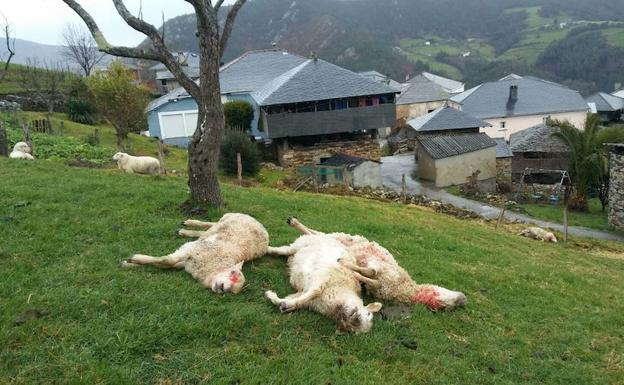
[
  {"x": 21, "y": 150},
  {"x": 539, "y": 234},
  {"x": 384, "y": 277},
  {"x": 137, "y": 164},
  {"x": 323, "y": 284},
  {"x": 217, "y": 257}
]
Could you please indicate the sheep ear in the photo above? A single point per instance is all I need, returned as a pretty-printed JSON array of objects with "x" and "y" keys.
[
  {"x": 239, "y": 266},
  {"x": 374, "y": 307}
]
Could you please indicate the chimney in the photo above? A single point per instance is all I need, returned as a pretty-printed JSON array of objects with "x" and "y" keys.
[{"x": 513, "y": 97}]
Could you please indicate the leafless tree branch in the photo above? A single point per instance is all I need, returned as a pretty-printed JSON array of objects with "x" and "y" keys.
[
  {"x": 10, "y": 44},
  {"x": 229, "y": 24},
  {"x": 81, "y": 49}
]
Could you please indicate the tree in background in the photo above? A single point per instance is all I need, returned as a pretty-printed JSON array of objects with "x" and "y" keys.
[
  {"x": 238, "y": 114},
  {"x": 589, "y": 159},
  {"x": 120, "y": 100},
  {"x": 10, "y": 45},
  {"x": 213, "y": 38},
  {"x": 45, "y": 83},
  {"x": 80, "y": 49}
]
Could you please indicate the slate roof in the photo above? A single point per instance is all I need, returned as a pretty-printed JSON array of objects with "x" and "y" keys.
[
  {"x": 449, "y": 85},
  {"x": 537, "y": 139},
  {"x": 535, "y": 97},
  {"x": 192, "y": 60},
  {"x": 316, "y": 79},
  {"x": 349, "y": 161},
  {"x": 619, "y": 94},
  {"x": 606, "y": 102},
  {"x": 502, "y": 148},
  {"x": 420, "y": 89},
  {"x": 381, "y": 78},
  {"x": 440, "y": 147},
  {"x": 446, "y": 118},
  {"x": 192, "y": 72}
]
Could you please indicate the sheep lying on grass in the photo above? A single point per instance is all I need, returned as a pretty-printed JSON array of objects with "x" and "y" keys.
[
  {"x": 539, "y": 234},
  {"x": 383, "y": 276},
  {"x": 217, "y": 257},
  {"x": 323, "y": 284},
  {"x": 137, "y": 164},
  {"x": 21, "y": 150}
]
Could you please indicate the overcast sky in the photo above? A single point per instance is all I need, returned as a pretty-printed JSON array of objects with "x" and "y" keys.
[{"x": 43, "y": 20}]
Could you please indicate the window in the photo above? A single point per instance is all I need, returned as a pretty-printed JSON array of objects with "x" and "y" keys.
[{"x": 503, "y": 125}]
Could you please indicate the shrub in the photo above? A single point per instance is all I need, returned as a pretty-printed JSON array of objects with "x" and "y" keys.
[
  {"x": 81, "y": 111},
  {"x": 238, "y": 114},
  {"x": 94, "y": 138},
  {"x": 239, "y": 142}
]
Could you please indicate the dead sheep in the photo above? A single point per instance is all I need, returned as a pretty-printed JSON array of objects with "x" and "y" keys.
[
  {"x": 21, "y": 150},
  {"x": 217, "y": 257},
  {"x": 137, "y": 164},
  {"x": 323, "y": 284},
  {"x": 384, "y": 277},
  {"x": 538, "y": 234}
]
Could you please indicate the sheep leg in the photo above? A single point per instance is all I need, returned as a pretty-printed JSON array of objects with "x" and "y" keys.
[
  {"x": 366, "y": 271},
  {"x": 200, "y": 224},
  {"x": 171, "y": 261},
  {"x": 190, "y": 233},
  {"x": 283, "y": 251},
  {"x": 294, "y": 223},
  {"x": 291, "y": 304},
  {"x": 373, "y": 283},
  {"x": 277, "y": 301}
]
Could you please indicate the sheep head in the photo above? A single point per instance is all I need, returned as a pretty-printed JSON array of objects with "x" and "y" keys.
[
  {"x": 21, "y": 147},
  {"x": 550, "y": 237},
  {"x": 357, "y": 319},
  {"x": 230, "y": 280},
  {"x": 438, "y": 298},
  {"x": 120, "y": 155}
]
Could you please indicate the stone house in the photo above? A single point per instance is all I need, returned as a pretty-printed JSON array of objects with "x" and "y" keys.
[
  {"x": 616, "y": 188},
  {"x": 426, "y": 93},
  {"x": 449, "y": 160},
  {"x": 359, "y": 172},
  {"x": 504, "y": 158}
]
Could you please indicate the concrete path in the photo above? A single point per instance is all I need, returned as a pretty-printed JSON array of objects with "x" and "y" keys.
[{"x": 393, "y": 167}]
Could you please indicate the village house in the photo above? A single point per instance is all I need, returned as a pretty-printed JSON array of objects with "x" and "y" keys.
[
  {"x": 608, "y": 107},
  {"x": 304, "y": 108},
  {"x": 619, "y": 94},
  {"x": 449, "y": 160},
  {"x": 504, "y": 158},
  {"x": 166, "y": 82},
  {"x": 424, "y": 94},
  {"x": 443, "y": 121},
  {"x": 535, "y": 148},
  {"x": 381, "y": 78},
  {"x": 353, "y": 170},
  {"x": 516, "y": 103}
]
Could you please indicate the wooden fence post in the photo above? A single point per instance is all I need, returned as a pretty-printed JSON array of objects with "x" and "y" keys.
[
  {"x": 4, "y": 142},
  {"x": 345, "y": 180},
  {"x": 161, "y": 156},
  {"x": 239, "y": 169},
  {"x": 403, "y": 189},
  {"x": 315, "y": 179},
  {"x": 502, "y": 214},
  {"x": 27, "y": 137}
]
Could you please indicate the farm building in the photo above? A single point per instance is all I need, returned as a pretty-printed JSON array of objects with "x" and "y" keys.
[
  {"x": 504, "y": 158},
  {"x": 610, "y": 108},
  {"x": 298, "y": 102},
  {"x": 535, "y": 148},
  {"x": 424, "y": 94},
  {"x": 616, "y": 190},
  {"x": 443, "y": 121},
  {"x": 359, "y": 172},
  {"x": 449, "y": 160},
  {"x": 166, "y": 82},
  {"x": 516, "y": 103}
]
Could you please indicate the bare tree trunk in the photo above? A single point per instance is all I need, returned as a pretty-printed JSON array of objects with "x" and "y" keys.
[
  {"x": 27, "y": 138},
  {"x": 161, "y": 157},
  {"x": 4, "y": 143}
]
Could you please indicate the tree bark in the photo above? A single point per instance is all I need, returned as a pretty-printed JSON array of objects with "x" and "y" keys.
[{"x": 4, "y": 143}]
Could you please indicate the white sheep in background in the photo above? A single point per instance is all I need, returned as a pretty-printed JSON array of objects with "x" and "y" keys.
[
  {"x": 21, "y": 150},
  {"x": 137, "y": 164},
  {"x": 384, "y": 277},
  {"x": 323, "y": 284},
  {"x": 539, "y": 234},
  {"x": 217, "y": 257}
]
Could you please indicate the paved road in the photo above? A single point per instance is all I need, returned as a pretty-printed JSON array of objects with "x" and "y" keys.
[{"x": 393, "y": 167}]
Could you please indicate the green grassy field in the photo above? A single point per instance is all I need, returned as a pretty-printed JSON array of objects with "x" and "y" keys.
[
  {"x": 614, "y": 36},
  {"x": 537, "y": 313},
  {"x": 594, "y": 219}
]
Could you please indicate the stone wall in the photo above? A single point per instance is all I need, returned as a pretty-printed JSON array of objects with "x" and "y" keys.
[
  {"x": 616, "y": 191},
  {"x": 503, "y": 174},
  {"x": 297, "y": 156}
]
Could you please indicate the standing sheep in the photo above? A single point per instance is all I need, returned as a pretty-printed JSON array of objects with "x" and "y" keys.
[
  {"x": 539, "y": 234},
  {"x": 137, "y": 164},
  {"x": 384, "y": 277},
  {"x": 323, "y": 284},
  {"x": 21, "y": 150},
  {"x": 217, "y": 257}
]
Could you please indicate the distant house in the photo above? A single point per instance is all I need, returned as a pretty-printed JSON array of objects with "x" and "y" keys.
[
  {"x": 536, "y": 148},
  {"x": 442, "y": 121},
  {"x": 425, "y": 93},
  {"x": 381, "y": 78},
  {"x": 165, "y": 80},
  {"x": 610, "y": 108},
  {"x": 449, "y": 160},
  {"x": 298, "y": 102},
  {"x": 360, "y": 172},
  {"x": 619, "y": 94},
  {"x": 516, "y": 103}
]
